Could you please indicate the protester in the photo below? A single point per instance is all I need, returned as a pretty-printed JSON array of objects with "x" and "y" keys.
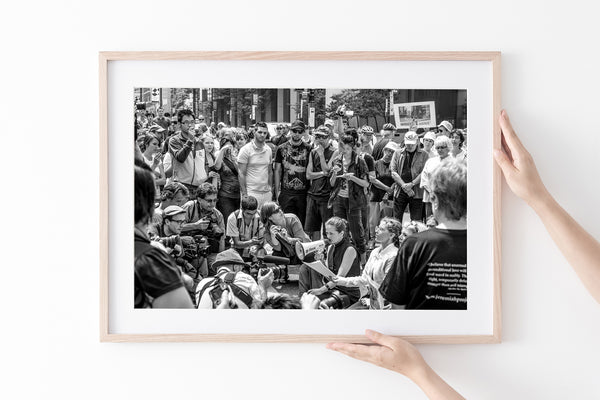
[
  {"x": 280, "y": 135},
  {"x": 344, "y": 261},
  {"x": 382, "y": 186},
  {"x": 349, "y": 179},
  {"x": 442, "y": 146},
  {"x": 318, "y": 169},
  {"x": 254, "y": 164},
  {"x": 425, "y": 259},
  {"x": 188, "y": 156},
  {"x": 226, "y": 166},
  {"x": 458, "y": 139},
  {"x": 282, "y": 230},
  {"x": 380, "y": 261},
  {"x": 407, "y": 165},
  {"x": 290, "y": 181}
]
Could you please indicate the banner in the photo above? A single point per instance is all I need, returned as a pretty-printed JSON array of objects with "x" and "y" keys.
[{"x": 415, "y": 115}]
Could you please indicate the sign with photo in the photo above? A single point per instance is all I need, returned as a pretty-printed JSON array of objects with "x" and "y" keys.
[{"x": 415, "y": 115}]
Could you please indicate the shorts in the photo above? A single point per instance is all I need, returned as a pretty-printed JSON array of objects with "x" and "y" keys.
[{"x": 317, "y": 214}]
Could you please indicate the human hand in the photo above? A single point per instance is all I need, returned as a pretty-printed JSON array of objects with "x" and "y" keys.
[
  {"x": 318, "y": 292},
  {"x": 213, "y": 174},
  {"x": 390, "y": 352},
  {"x": 517, "y": 165},
  {"x": 224, "y": 302},
  {"x": 266, "y": 280},
  {"x": 202, "y": 224},
  {"x": 309, "y": 301}
]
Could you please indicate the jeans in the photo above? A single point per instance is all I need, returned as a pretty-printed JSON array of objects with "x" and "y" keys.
[
  {"x": 227, "y": 205},
  {"x": 415, "y": 206},
  {"x": 294, "y": 203},
  {"x": 341, "y": 209}
]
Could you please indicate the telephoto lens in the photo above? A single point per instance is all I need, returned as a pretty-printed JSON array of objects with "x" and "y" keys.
[{"x": 337, "y": 301}]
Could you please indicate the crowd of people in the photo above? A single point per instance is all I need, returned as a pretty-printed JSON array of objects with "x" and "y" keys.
[{"x": 217, "y": 208}]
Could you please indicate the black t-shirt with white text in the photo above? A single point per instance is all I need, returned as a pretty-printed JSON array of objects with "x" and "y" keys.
[{"x": 430, "y": 271}]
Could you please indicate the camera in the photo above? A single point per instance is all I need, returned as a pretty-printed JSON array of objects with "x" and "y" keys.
[
  {"x": 337, "y": 301},
  {"x": 195, "y": 246},
  {"x": 140, "y": 106},
  {"x": 264, "y": 264}
]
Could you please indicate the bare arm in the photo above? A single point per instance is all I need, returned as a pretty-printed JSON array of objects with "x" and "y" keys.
[
  {"x": 399, "y": 356},
  {"x": 242, "y": 169},
  {"x": 277, "y": 178},
  {"x": 347, "y": 261},
  {"x": 580, "y": 249}
]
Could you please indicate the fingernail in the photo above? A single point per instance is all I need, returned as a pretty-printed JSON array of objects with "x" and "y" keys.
[{"x": 503, "y": 113}]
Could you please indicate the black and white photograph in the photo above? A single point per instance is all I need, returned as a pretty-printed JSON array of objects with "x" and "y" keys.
[{"x": 302, "y": 198}]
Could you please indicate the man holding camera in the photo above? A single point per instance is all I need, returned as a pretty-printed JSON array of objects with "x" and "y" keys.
[
  {"x": 290, "y": 180},
  {"x": 204, "y": 220},
  {"x": 187, "y": 153},
  {"x": 231, "y": 287}
]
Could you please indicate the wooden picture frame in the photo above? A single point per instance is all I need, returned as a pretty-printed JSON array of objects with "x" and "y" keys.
[{"x": 491, "y": 60}]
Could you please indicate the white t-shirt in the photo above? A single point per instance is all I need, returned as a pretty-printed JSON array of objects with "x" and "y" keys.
[{"x": 258, "y": 162}]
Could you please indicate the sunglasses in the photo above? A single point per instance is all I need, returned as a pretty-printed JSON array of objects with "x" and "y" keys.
[
  {"x": 279, "y": 129},
  {"x": 297, "y": 130}
]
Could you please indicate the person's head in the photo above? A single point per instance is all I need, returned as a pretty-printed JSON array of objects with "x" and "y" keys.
[
  {"x": 160, "y": 112},
  {"x": 174, "y": 217},
  {"x": 186, "y": 119},
  {"x": 442, "y": 145},
  {"x": 151, "y": 144},
  {"x": 336, "y": 229},
  {"x": 209, "y": 143},
  {"x": 249, "y": 206},
  {"x": 144, "y": 193},
  {"x": 202, "y": 127},
  {"x": 201, "y": 119},
  {"x": 367, "y": 131},
  {"x": 388, "y": 231},
  {"x": 298, "y": 127},
  {"x": 427, "y": 141},
  {"x": 388, "y": 130},
  {"x": 410, "y": 141},
  {"x": 262, "y": 132},
  {"x": 444, "y": 128},
  {"x": 449, "y": 190},
  {"x": 281, "y": 301},
  {"x": 410, "y": 228},
  {"x": 272, "y": 214},
  {"x": 322, "y": 134},
  {"x": 241, "y": 138},
  {"x": 206, "y": 194},
  {"x": 174, "y": 194},
  {"x": 457, "y": 138},
  {"x": 280, "y": 129},
  {"x": 348, "y": 143},
  {"x": 389, "y": 150}
]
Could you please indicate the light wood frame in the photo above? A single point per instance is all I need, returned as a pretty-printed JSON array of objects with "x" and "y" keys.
[{"x": 106, "y": 57}]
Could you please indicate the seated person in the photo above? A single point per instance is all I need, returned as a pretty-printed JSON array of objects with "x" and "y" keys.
[
  {"x": 203, "y": 219},
  {"x": 231, "y": 287},
  {"x": 282, "y": 231},
  {"x": 158, "y": 282},
  {"x": 387, "y": 234},
  {"x": 344, "y": 261},
  {"x": 245, "y": 228},
  {"x": 173, "y": 194}
]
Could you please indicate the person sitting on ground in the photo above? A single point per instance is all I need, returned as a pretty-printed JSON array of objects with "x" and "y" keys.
[
  {"x": 245, "y": 228},
  {"x": 343, "y": 260},
  {"x": 387, "y": 234},
  {"x": 173, "y": 194},
  {"x": 158, "y": 282}
]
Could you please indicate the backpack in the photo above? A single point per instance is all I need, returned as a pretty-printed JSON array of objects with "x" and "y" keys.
[{"x": 221, "y": 282}]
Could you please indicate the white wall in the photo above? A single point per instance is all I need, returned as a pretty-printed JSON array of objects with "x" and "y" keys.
[{"x": 49, "y": 120}]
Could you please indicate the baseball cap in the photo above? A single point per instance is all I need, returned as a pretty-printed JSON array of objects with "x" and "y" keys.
[
  {"x": 429, "y": 135},
  {"x": 446, "y": 125},
  {"x": 391, "y": 146},
  {"x": 298, "y": 124},
  {"x": 173, "y": 210},
  {"x": 410, "y": 138}
]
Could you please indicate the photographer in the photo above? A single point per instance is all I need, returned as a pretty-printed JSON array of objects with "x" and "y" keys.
[
  {"x": 158, "y": 282},
  {"x": 231, "y": 287},
  {"x": 245, "y": 228},
  {"x": 204, "y": 219},
  {"x": 173, "y": 194},
  {"x": 344, "y": 261}
]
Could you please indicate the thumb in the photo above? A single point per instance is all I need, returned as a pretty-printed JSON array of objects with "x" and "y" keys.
[
  {"x": 503, "y": 161},
  {"x": 380, "y": 338}
]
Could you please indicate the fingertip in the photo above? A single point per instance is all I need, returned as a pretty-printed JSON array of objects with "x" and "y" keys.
[{"x": 503, "y": 114}]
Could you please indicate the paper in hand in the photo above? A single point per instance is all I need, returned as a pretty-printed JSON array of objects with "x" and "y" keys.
[{"x": 319, "y": 267}]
